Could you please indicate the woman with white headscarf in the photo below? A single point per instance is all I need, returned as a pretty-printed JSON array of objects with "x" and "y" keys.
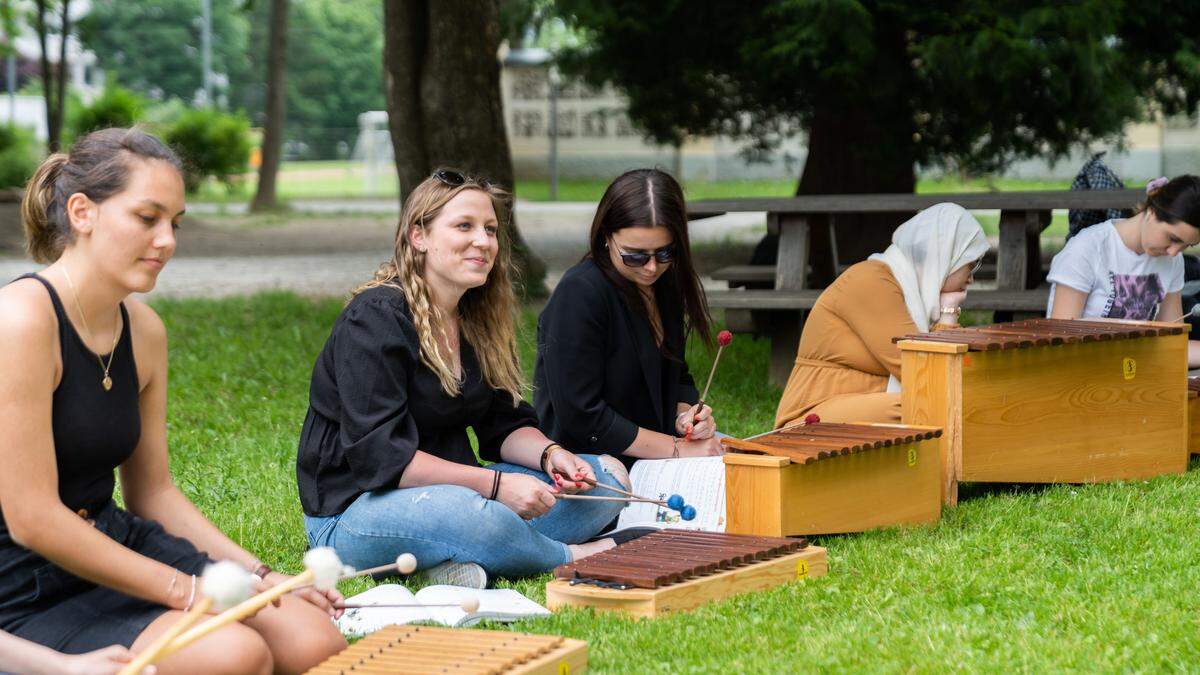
[{"x": 847, "y": 367}]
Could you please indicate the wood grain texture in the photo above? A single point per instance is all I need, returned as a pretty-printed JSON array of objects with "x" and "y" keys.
[
  {"x": 880, "y": 487},
  {"x": 931, "y": 395},
  {"x": 1033, "y": 300},
  {"x": 1035, "y": 200},
  {"x": 428, "y": 649},
  {"x": 1071, "y": 413},
  {"x": 650, "y": 603}
]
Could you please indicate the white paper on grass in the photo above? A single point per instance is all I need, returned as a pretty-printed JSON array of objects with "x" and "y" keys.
[
  {"x": 498, "y": 604},
  {"x": 699, "y": 480}
]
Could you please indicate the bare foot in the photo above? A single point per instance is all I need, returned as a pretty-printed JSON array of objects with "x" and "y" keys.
[{"x": 592, "y": 547}]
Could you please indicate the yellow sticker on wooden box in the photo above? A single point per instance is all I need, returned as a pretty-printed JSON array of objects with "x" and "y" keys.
[
  {"x": 1129, "y": 368},
  {"x": 912, "y": 456},
  {"x": 801, "y": 569}
]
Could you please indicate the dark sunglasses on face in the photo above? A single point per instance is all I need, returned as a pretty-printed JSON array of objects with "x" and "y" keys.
[{"x": 663, "y": 255}]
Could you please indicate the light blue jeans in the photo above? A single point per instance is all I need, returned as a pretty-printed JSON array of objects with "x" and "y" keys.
[{"x": 437, "y": 523}]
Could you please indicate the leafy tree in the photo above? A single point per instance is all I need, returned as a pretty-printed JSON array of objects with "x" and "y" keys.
[
  {"x": 154, "y": 47},
  {"x": 19, "y": 155},
  {"x": 272, "y": 145},
  {"x": 881, "y": 86}
]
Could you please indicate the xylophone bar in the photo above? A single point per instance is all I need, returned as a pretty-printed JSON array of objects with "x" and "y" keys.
[
  {"x": 422, "y": 649},
  {"x": 672, "y": 556},
  {"x": 805, "y": 444},
  {"x": 1042, "y": 332}
]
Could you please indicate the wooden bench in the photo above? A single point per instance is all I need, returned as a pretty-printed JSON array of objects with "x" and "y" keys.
[
  {"x": 1023, "y": 217},
  {"x": 779, "y": 314}
]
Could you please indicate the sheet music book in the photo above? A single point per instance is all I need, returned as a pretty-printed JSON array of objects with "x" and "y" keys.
[
  {"x": 497, "y": 604},
  {"x": 699, "y": 480}
]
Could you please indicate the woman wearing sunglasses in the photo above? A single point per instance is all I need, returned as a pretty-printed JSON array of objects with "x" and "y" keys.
[
  {"x": 610, "y": 373},
  {"x": 847, "y": 367},
  {"x": 422, "y": 352}
]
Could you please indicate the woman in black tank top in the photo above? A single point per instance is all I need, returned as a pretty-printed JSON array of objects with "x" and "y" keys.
[{"x": 83, "y": 392}]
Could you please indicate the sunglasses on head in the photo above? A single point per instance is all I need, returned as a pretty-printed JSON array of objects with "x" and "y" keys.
[
  {"x": 663, "y": 255},
  {"x": 975, "y": 268},
  {"x": 456, "y": 178}
]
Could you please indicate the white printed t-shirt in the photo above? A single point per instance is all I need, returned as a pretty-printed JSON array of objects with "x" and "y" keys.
[{"x": 1120, "y": 284}]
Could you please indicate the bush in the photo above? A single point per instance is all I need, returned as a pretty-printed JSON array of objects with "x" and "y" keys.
[
  {"x": 116, "y": 107},
  {"x": 19, "y": 155},
  {"x": 211, "y": 143}
]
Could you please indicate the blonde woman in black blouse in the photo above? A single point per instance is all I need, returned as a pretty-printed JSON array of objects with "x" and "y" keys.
[{"x": 421, "y": 353}]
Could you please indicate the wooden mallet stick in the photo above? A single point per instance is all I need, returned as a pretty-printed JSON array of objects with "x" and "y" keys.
[
  {"x": 673, "y": 502},
  {"x": 155, "y": 651},
  {"x": 468, "y": 605},
  {"x": 323, "y": 570},
  {"x": 223, "y": 584},
  {"x": 723, "y": 340}
]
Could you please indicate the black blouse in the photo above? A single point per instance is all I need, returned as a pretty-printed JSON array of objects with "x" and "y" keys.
[
  {"x": 599, "y": 374},
  {"x": 373, "y": 404}
]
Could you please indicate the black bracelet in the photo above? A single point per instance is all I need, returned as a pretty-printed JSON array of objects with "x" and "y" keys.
[
  {"x": 495, "y": 485},
  {"x": 546, "y": 454}
]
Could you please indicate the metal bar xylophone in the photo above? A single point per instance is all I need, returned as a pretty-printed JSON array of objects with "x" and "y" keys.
[
  {"x": 1050, "y": 401},
  {"x": 425, "y": 649},
  {"x": 826, "y": 478},
  {"x": 675, "y": 570}
]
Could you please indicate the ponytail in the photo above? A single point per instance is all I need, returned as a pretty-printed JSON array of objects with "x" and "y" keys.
[{"x": 46, "y": 230}]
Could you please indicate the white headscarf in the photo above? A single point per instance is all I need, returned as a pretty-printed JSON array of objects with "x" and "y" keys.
[{"x": 925, "y": 250}]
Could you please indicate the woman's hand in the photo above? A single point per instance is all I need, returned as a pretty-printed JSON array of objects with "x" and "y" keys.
[
  {"x": 323, "y": 599},
  {"x": 953, "y": 299},
  {"x": 107, "y": 661},
  {"x": 527, "y": 496},
  {"x": 703, "y": 447},
  {"x": 562, "y": 462},
  {"x": 696, "y": 423}
]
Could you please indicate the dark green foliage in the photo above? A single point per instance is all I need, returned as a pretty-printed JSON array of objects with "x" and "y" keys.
[
  {"x": 19, "y": 155},
  {"x": 975, "y": 83},
  {"x": 334, "y": 60},
  {"x": 154, "y": 47},
  {"x": 211, "y": 143},
  {"x": 116, "y": 107}
]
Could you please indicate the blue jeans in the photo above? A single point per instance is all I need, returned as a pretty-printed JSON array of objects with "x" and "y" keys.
[{"x": 437, "y": 523}]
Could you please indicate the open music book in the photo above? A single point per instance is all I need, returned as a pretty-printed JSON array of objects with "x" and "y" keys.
[
  {"x": 699, "y": 480},
  {"x": 498, "y": 604}
]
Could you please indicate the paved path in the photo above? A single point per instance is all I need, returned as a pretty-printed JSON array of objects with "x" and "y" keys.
[{"x": 314, "y": 258}]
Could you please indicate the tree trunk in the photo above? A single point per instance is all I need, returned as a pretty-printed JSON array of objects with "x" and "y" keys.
[
  {"x": 268, "y": 170},
  {"x": 442, "y": 77},
  {"x": 854, "y": 150},
  {"x": 60, "y": 99},
  {"x": 47, "y": 77},
  {"x": 405, "y": 33}
]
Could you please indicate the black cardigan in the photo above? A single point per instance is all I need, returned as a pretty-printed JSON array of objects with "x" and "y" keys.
[
  {"x": 599, "y": 375},
  {"x": 373, "y": 404}
]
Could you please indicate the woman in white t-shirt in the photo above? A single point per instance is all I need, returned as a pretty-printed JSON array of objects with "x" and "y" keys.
[{"x": 1131, "y": 268}]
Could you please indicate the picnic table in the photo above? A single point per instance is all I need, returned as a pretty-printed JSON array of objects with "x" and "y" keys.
[{"x": 1018, "y": 267}]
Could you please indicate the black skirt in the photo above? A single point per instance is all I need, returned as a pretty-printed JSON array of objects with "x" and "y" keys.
[{"x": 43, "y": 603}]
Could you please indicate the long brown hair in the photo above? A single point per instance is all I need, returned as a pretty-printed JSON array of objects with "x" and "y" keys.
[
  {"x": 487, "y": 313},
  {"x": 650, "y": 198},
  {"x": 98, "y": 166}
]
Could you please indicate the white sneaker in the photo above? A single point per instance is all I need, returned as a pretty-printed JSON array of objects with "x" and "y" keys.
[{"x": 467, "y": 575}]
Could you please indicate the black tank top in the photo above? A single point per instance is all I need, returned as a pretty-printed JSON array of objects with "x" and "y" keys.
[{"x": 94, "y": 430}]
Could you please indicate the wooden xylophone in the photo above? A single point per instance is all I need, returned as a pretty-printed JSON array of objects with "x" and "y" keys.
[
  {"x": 424, "y": 649},
  {"x": 1193, "y": 415},
  {"x": 675, "y": 570},
  {"x": 829, "y": 478},
  {"x": 1049, "y": 401}
]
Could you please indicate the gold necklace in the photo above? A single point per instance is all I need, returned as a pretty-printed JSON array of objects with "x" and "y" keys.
[{"x": 107, "y": 381}]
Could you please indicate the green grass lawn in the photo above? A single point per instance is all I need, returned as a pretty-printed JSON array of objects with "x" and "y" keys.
[{"x": 1015, "y": 578}]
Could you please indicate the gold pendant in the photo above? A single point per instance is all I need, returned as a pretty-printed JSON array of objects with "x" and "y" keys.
[{"x": 107, "y": 382}]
